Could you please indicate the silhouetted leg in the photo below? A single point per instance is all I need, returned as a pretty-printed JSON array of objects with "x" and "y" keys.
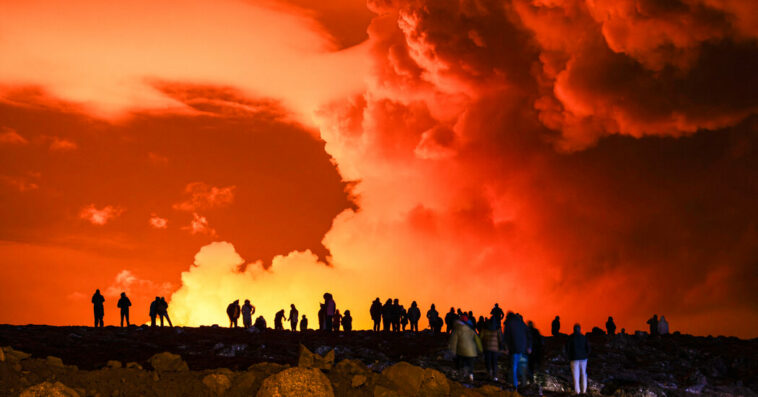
[{"x": 127, "y": 319}]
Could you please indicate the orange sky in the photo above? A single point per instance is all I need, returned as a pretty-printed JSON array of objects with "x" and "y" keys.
[{"x": 575, "y": 157}]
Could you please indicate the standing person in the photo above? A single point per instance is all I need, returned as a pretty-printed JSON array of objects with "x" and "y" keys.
[
  {"x": 97, "y": 303},
  {"x": 535, "y": 357},
  {"x": 403, "y": 318},
  {"x": 610, "y": 326},
  {"x": 293, "y": 317},
  {"x": 163, "y": 311},
  {"x": 497, "y": 314},
  {"x": 663, "y": 326},
  {"x": 154, "y": 309},
  {"x": 578, "y": 350},
  {"x": 480, "y": 325},
  {"x": 303, "y": 324},
  {"x": 517, "y": 341},
  {"x": 330, "y": 307},
  {"x": 123, "y": 304},
  {"x": 376, "y": 314},
  {"x": 347, "y": 321},
  {"x": 432, "y": 316},
  {"x": 396, "y": 316},
  {"x": 337, "y": 320},
  {"x": 387, "y": 315},
  {"x": 653, "y": 321},
  {"x": 278, "y": 320},
  {"x": 555, "y": 327},
  {"x": 233, "y": 311},
  {"x": 247, "y": 314},
  {"x": 466, "y": 345},
  {"x": 414, "y": 314},
  {"x": 491, "y": 341},
  {"x": 321, "y": 316},
  {"x": 450, "y": 318}
]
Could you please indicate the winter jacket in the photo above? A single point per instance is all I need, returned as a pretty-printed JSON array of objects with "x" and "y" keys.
[
  {"x": 464, "y": 341},
  {"x": 491, "y": 339},
  {"x": 516, "y": 336},
  {"x": 577, "y": 347},
  {"x": 124, "y": 303},
  {"x": 414, "y": 314}
]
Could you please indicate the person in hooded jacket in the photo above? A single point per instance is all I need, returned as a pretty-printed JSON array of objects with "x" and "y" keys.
[
  {"x": 387, "y": 315},
  {"x": 414, "y": 314},
  {"x": 432, "y": 315},
  {"x": 610, "y": 326},
  {"x": 347, "y": 321},
  {"x": 578, "y": 350},
  {"x": 466, "y": 346},
  {"x": 124, "y": 303},
  {"x": 376, "y": 314},
  {"x": 97, "y": 302},
  {"x": 517, "y": 340},
  {"x": 450, "y": 318},
  {"x": 491, "y": 342},
  {"x": 303, "y": 324}
]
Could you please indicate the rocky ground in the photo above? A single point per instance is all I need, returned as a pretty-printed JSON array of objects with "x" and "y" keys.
[{"x": 206, "y": 361}]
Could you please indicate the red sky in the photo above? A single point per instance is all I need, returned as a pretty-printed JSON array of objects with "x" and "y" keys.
[{"x": 581, "y": 158}]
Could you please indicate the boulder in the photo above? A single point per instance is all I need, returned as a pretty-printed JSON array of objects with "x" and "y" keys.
[
  {"x": 296, "y": 381},
  {"x": 47, "y": 389},
  {"x": 54, "y": 362},
  {"x": 113, "y": 364},
  {"x": 416, "y": 381},
  {"x": 381, "y": 391},
  {"x": 217, "y": 383},
  {"x": 15, "y": 355},
  {"x": 358, "y": 380},
  {"x": 133, "y": 365},
  {"x": 308, "y": 359},
  {"x": 168, "y": 362}
]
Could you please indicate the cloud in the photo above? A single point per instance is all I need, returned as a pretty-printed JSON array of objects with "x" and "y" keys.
[
  {"x": 127, "y": 281},
  {"x": 11, "y": 136},
  {"x": 61, "y": 145},
  {"x": 101, "y": 216},
  {"x": 199, "y": 225},
  {"x": 204, "y": 196},
  {"x": 22, "y": 183},
  {"x": 157, "y": 222}
]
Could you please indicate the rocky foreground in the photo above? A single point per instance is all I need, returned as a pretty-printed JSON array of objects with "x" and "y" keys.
[{"x": 206, "y": 361}]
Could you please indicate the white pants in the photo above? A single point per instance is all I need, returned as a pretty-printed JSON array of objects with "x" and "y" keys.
[{"x": 579, "y": 368}]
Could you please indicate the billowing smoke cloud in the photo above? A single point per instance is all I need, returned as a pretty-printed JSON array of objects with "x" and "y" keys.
[{"x": 492, "y": 165}]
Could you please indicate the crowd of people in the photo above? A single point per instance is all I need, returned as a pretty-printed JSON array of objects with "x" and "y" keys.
[{"x": 469, "y": 337}]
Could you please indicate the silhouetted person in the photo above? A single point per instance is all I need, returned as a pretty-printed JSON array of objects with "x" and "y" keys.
[
  {"x": 663, "y": 326},
  {"x": 537, "y": 344},
  {"x": 303, "y": 324},
  {"x": 414, "y": 314},
  {"x": 653, "y": 325},
  {"x": 337, "y": 320},
  {"x": 321, "y": 316},
  {"x": 450, "y": 318},
  {"x": 330, "y": 307},
  {"x": 97, "y": 302},
  {"x": 387, "y": 315},
  {"x": 437, "y": 325},
  {"x": 347, "y": 321},
  {"x": 497, "y": 314},
  {"x": 480, "y": 325},
  {"x": 610, "y": 326},
  {"x": 396, "y": 316},
  {"x": 376, "y": 314},
  {"x": 465, "y": 344},
  {"x": 247, "y": 314},
  {"x": 154, "y": 309},
  {"x": 279, "y": 320},
  {"x": 260, "y": 323},
  {"x": 293, "y": 317},
  {"x": 516, "y": 338},
  {"x": 491, "y": 342},
  {"x": 123, "y": 304},
  {"x": 578, "y": 350},
  {"x": 163, "y": 311},
  {"x": 403, "y": 318},
  {"x": 432, "y": 316},
  {"x": 233, "y": 311},
  {"x": 555, "y": 327}
]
